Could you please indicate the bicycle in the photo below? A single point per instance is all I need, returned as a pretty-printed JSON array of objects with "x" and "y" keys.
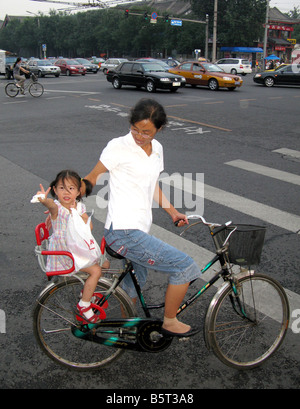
[
  {"x": 246, "y": 320},
  {"x": 34, "y": 87}
]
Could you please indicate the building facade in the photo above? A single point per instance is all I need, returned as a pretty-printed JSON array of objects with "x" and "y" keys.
[{"x": 280, "y": 41}]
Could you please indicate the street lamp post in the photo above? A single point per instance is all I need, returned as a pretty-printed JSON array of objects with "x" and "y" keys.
[
  {"x": 206, "y": 37},
  {"x": 214, "y": 49},
  {"x": 38, "y": 24},
  {"x": 266, "y": 35}
]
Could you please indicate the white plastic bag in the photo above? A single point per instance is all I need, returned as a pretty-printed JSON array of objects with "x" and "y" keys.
[{"x": 81, "y": 242}]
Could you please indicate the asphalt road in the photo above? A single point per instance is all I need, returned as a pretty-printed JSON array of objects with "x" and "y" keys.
[{"x": 246, "y": 143}]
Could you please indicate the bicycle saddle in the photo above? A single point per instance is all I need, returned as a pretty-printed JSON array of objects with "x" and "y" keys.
[{"x": 112, "y": 253}]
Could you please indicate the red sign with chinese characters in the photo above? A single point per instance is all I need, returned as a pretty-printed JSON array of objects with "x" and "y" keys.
[{"x": 279, "y": 27}]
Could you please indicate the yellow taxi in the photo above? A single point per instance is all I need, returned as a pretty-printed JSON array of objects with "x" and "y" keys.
[
  {"x": 277, "y": 68},
  {"x": 207, "y": 74}
]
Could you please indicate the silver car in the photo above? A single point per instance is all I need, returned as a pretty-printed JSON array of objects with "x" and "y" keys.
[
  {"x": 43, "y": 67},
  {"x": 111, "y": 63}
]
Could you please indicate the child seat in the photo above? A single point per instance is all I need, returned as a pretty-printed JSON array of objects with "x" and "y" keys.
[{"x": 41, "y": 250}]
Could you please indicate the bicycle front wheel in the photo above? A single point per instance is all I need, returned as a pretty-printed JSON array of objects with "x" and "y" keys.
[
  {"x": 36, "y": 89},
  {"x": 54, "y": 323},
  {"x": 246, "y": 328},
  {"x": 11, "y": 89}
]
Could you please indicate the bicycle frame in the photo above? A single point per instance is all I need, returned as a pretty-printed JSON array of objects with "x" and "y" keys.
[
  {"x": 27, "y": 82},
  {"x": 92, "y": 332},
  {"x": 139, "y": 331}
]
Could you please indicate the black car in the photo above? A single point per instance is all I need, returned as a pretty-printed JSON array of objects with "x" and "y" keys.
[
  {"x": 287, "y": 75},
  {"x": 9, "y": 62},
  {"x": 148, "y": 75}
]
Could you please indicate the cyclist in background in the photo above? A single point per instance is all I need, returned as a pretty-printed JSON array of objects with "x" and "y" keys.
[{"x": 17, "y": 75}]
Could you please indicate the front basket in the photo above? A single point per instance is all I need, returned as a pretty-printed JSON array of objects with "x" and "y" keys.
[{"x": 245, "y": 244}]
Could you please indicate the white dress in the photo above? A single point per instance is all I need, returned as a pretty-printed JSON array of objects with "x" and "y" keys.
[{"x": 57, "y": 241}]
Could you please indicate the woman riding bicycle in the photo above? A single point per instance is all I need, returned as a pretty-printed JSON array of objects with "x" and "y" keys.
[
  {"x": 134, "y": 162},
  {"x": 17, "y": 75}
]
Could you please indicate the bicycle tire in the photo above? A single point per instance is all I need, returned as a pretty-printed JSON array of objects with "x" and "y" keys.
[
  {"x": 11, "y": 90},
  {"x": 36, "y": 89},
  {"x": 54, "y": 323},
  {"x": 237, "y": 341}
]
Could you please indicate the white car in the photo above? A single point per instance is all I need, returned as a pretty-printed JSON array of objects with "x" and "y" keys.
[
  {"x": 111, "y": 63},
  {"x": 235, "y": 66}
]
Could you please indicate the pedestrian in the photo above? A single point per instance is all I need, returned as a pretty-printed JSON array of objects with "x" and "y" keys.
[{"x": 134, "y": 162}]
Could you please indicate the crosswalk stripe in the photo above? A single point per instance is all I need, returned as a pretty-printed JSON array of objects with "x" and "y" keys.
[
  {"x": 266, "y": 171},
  {"x": 288, "y": 152},
  {"x": 280, "y": 218}
]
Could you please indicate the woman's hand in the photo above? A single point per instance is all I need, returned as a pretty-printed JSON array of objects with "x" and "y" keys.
[{"x": 179, "y": 219}]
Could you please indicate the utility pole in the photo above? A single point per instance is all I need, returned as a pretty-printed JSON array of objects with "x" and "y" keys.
[
  {"x": 266, "y": 35},
  {"x": 206, "y": 38},
  {"x": 214, "y": 53}
]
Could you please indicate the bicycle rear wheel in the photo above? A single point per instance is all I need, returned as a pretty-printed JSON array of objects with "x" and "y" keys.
[
  {"x": 36, "y": 89},
  {"x": 54, "y": 324},
  {"x": 241, "y": 342},
  {"x": 11, "y": 89}
]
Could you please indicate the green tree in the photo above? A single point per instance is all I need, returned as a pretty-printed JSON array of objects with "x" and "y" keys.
[
  {"x": 239, "y": 22},
  {"x": 295, "y": 14}
]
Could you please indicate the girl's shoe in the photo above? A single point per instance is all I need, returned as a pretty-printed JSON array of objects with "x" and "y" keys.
[
  {"x": 96, "y": 299},
  {"x": 95, "y": 318}
]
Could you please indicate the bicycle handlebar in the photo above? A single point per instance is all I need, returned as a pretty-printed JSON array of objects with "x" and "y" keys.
[
  {"x": 220, "y": 227},
  {"x": 215, "y": 226}
]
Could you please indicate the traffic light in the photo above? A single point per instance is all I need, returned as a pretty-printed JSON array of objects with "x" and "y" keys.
[
  {"x": 126, "y": 13},
  {"x": 146, "y": 16},
  {"x": 166, "y": 19}
]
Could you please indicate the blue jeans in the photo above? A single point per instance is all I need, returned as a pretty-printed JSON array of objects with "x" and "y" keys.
[{"x": 148, "y": 252}]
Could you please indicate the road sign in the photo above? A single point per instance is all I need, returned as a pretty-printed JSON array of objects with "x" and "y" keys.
[
  {"x": 154, "y": 15},
  {"x": 176, "y": 22},
  {"x": 44, "y": 47}
]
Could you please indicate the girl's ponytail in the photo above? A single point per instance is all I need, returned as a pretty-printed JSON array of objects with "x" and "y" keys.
[
  {"x": 88, "y": 187},
  {"x": 17, "y": 60}
]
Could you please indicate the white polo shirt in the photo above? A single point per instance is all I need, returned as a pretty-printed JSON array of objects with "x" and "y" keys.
[{"x": 133, "y": 177}]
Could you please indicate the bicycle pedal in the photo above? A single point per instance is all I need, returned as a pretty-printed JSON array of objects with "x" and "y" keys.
[{"x": 184, "y": 339}]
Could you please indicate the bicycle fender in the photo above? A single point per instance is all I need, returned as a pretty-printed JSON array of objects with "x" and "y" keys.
[{"x": 243, "y": 273}]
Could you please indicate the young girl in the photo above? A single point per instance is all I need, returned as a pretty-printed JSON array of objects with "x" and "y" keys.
[{"x": 66, "y": 189}]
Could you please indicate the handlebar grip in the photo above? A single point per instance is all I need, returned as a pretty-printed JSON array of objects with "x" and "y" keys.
[
  {"x": 220, "y": 228},
  {"x": 177, "y": 222}
]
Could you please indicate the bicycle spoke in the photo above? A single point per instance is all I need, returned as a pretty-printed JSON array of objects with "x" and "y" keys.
[
  {"x": 36, "y": 89},
  {"x": 246, "y": 337},
  {"x": 59, "y": 334},
  {"x": 11, "y": 89}
]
